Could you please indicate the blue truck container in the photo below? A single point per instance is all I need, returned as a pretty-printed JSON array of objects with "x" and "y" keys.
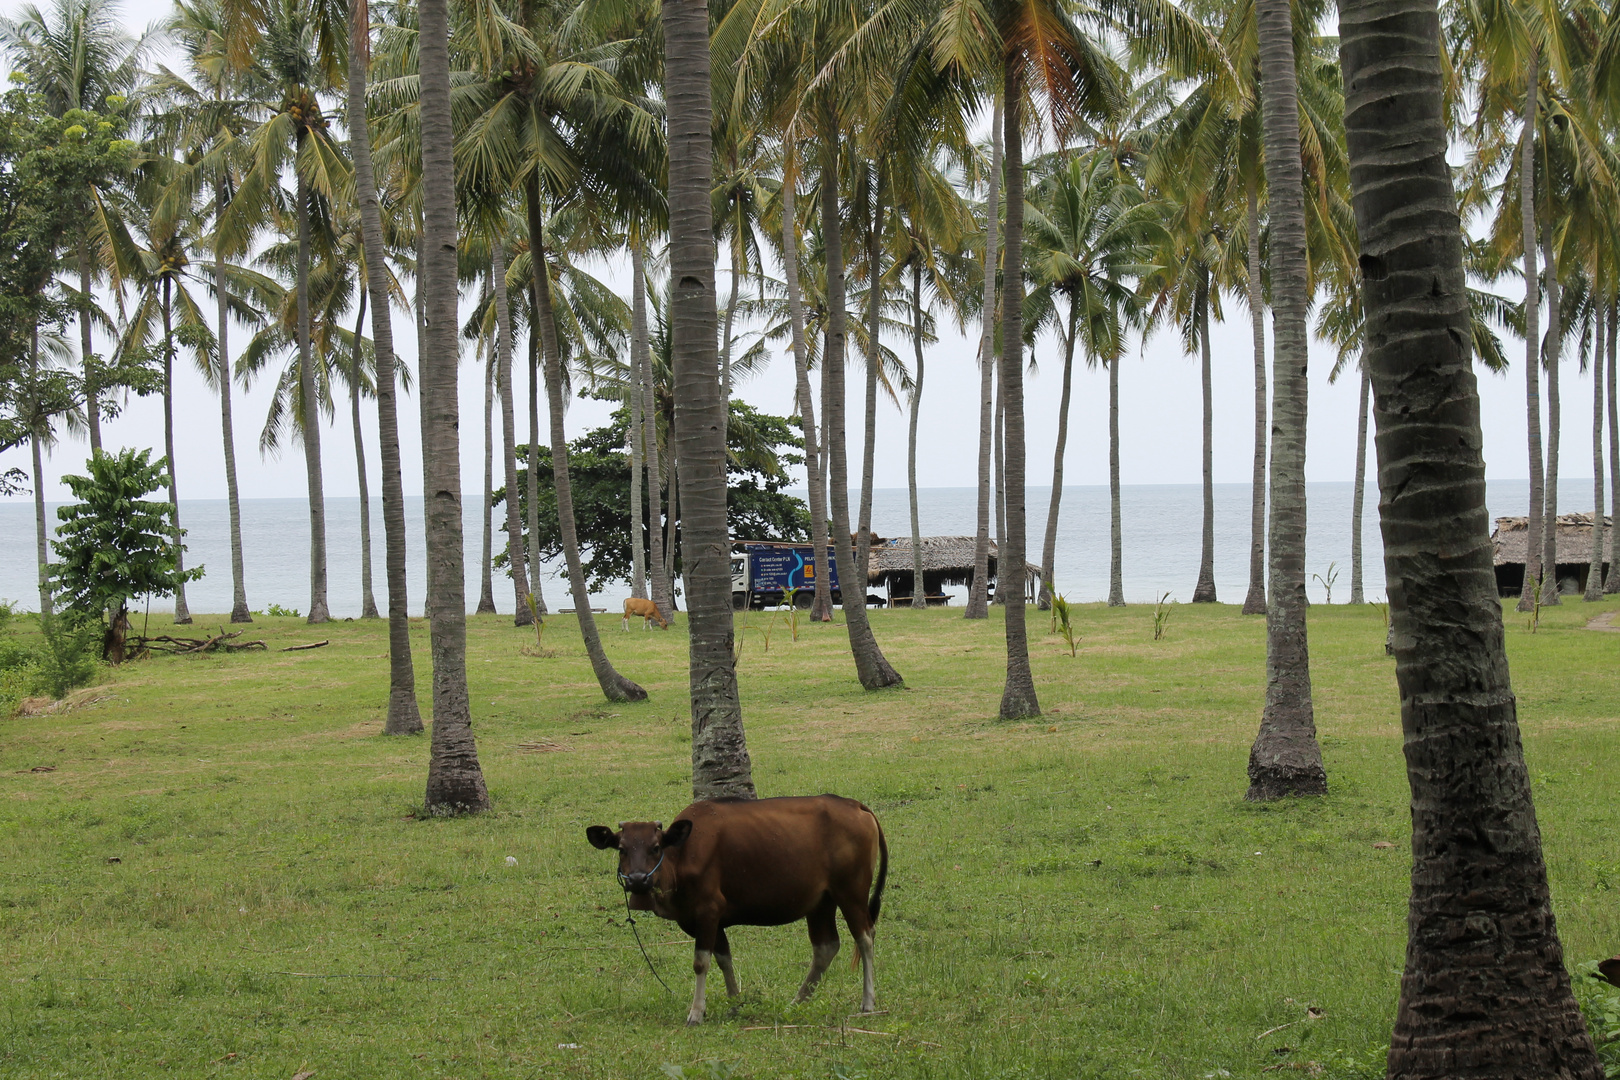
[{"x": 764, "y": 572}]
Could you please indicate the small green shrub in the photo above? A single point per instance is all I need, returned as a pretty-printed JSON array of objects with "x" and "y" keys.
[
  {"x": 66, "y": 658},
  {"x": 1161, "y": 616},
  {"x": 1061, "y": 619},
  {"x": 281, "y": 612}
]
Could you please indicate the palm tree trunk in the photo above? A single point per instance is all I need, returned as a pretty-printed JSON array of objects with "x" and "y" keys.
[
  {"x": 1532, "y": 334},
  {"x": 821, "y": 607},
  {"x": 421, "y": 398},
  {"x": 310, "y": 406},
  {"x": 486, "y": 575},
  {"x": 874, "y": 362},
  {"x": 368, "y": 601},
  {"x": 532, "y": 472},
  {"x": 1116, "y": 547},
  {"x": 1049, "y": 548},
  {"x": 720, "y": 761},
  {"x": 503, "y": 382},
  {"x": 1000, "y": 488},
  {"x": 1485, "y": 991},
  {"x": 673, "y": 531},
  {"x": 978, "y": 605},
  {"x": 871, "y": 667},
  {"x": 1594, "y": 572},
  {"x": 1254, "y": 603},
  {"x": 1018, "y": 699},
  {"x": 1204, "y": 591},
  {"x": 731, "y": 316},
  {"x": 455, "y": 781},
  {"x": 404, "y": 716},
  {"x": 1286, "y": 758},
  {"x": 92, "y": 398},
  {"x": 1555, "y": 335},
  {"x": 1357, "y": 596},
  {"x": 182, "y": 614},
  {"x": 1611, "y": 582},
  {"x": 614, "y": 686},
  {"x": 239, "y": 604},
  {"x": 659, "y": 586},
  {"x": 919, "y": 587},
  {"x": 41, "y": 532},
  {"x": 638, "y": 480}
]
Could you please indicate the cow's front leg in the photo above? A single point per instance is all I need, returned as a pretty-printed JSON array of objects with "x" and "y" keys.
[
  {"x": 722, "y": 956},
  {"x": 701, "y": 953}
]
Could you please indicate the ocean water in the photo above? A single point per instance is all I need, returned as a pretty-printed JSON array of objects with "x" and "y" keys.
[{"x": 1160, "y": 529}]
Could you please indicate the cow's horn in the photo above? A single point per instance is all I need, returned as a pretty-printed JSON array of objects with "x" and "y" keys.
[
  {"x": 658, "y": 824},
  {"x": 621, "y": 824}
]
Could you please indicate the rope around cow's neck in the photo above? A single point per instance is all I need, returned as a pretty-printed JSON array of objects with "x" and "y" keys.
[{"x": 631, "y": 919}]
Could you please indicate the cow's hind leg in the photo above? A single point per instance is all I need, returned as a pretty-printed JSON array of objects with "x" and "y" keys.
[
  {"x": 823, "y": 923},
  {"x": 859, "y": 921},
  {"x": 722, "y": 956}
]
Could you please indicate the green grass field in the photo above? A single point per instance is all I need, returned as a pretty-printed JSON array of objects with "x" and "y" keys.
[{"x": 223, "y": 875}]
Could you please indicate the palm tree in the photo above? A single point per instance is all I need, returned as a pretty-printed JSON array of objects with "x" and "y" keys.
[
  {"x": 486, "y": 577},
  {"x": 206, "y": 118},
  {"x": 404, "y": 715},
  {"x": 1286, "y": 758},
  {"x": 77, "y": 54},
  {"x": 1088, "y": 236},
  {"x": 455, "y": 783},
  {"x": 720, "y": 761},
  {"x": 1464, "y": 758},
  {"x": 518, "y": 564},
  {"x": 978, "y": 605},
  {"x": 299, "y": 58}
]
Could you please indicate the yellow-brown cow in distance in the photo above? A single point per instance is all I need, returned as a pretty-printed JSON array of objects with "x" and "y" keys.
[
  {"x": 758, "y": 862},
  {"x": 646, "y": 611}
]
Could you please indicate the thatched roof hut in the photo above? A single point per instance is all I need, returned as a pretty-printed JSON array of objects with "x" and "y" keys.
[
  {"x": 1574, "y": 551},
  {"x": 947, "y": 560}
]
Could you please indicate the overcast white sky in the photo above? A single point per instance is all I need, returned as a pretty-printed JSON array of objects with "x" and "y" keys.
[{"x": 1159, "y": 403}]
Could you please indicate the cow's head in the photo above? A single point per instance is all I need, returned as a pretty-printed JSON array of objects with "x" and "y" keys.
[{"x": 642, "y": 846}]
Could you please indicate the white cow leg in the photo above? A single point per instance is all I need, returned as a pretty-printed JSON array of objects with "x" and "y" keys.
[
  {"x": 700, "y": 967},
  {"x": 821, "y": 957},
  {"x": 868, "y": 981}
]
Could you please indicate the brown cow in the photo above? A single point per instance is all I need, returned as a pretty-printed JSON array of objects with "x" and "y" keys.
[
  {"x": 765, "y": 862},
  {"x": 647, "y": 611}
]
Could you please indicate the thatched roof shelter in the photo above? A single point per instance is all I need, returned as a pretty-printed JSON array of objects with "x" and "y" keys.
[
  {"x": 947, "y": 560},
  {"x": 1574, "y": 550}
]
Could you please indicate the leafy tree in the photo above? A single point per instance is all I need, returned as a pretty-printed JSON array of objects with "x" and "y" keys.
[
  {"x": 116, "y": 545},
  {"x": 762, "y": 447}
]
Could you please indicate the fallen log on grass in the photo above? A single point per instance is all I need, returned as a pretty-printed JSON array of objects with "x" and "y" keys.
[
  {"x": 298, "y": 648},
  {"x": 220, "y": 642}
]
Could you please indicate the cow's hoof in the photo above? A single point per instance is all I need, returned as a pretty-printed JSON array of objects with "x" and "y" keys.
[{"x": 694, "y": 1019}]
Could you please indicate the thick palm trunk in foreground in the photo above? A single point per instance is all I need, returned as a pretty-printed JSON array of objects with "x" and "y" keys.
[
  {"x": 1049, "y": 547},
  {"x": 521, "y": 615},
  {"x": 239, "y": 604},
  {"x": 720, "y": 762},
  {"x": 978, "y": 605},
  {"x": 614, "y": 686},
  {"x": 182, "y": 614},
  {"x": 1485, "y": 993},
  {"x": 821, "y": 606},
  {"x": 1254, "y": 602},
  {"x": 1358, "y": 499},
  {"x": 871, "y": 667},
  {"x": 1286, "y": 758},
  {"x": 404, "y": 717},
  {"x": 1204, "y": 591},
  {"x": 1018, "y": 699},
  {"x": 1532, "y": 334},
  {"x": 311, "y": 431},
  {"x": 455, "y": 781}
]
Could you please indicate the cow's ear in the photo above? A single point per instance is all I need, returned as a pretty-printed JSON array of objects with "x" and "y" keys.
[
  {"x": 677, "y": 833},
  {"x": 602, "y": 837}
]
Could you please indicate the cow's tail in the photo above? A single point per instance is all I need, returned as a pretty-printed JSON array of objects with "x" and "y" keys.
[{"x": 876, "y": 903}]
